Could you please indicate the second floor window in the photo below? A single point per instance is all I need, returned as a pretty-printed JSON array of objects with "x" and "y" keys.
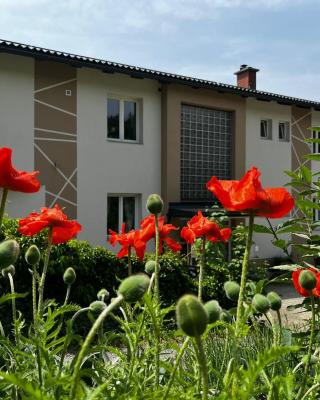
[
  {"x": 122, "y": 116},
  {"x": 284, "y": 131},
  {"x": 266, "y": 129}
]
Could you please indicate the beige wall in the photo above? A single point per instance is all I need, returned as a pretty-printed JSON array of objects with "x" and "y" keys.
[{"x": 172, "y": 98}]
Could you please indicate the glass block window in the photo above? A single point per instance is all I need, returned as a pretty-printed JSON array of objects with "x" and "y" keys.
[{"x": 206, "y": 149}]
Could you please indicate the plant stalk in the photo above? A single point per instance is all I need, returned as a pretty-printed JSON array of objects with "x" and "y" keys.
[
  {"x": 157, "y": 268},
  {"x": 202, "y": 267},
  {"x": 244, "y": 272},
  {"x": 3, "y": 204},
  {"x": 129, "y": 262},
  {"x": 202, "y": 361},
  {"x": 44, "y": 273},
  {"x": 34, "y": 293},
  {"x": 14, "y": 310}
]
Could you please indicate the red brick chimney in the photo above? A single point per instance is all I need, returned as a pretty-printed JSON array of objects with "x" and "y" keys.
[{"x": 246, "y": 77}]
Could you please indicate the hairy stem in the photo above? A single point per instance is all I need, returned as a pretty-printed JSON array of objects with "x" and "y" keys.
[
  {"x": 202, "y": 267},
  {"x": 157, "y": 299},
  {"x": 202, "y": 361},
  {"x": 3, "y": 204},
  {"x": 129, "y": 262},
  {"x": 44, "y": 273},
  {"x": 14, "y": 310},
  {"x": 34, "y": 293}
]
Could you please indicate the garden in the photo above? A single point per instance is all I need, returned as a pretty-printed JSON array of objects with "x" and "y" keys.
[{"x": 81, "y": 322}]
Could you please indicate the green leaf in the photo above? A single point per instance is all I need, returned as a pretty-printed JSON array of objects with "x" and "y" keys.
[
  {"x": 280, "y": 243},
  {"x": 314, "y": 128},
  {"x": 262, "y": 229},
  {"x": 308, "y": 204},
  {"x": 9, "y": 296},
  {"x": 313, "y": 157},
  {"x": 306, "y": 173},
  {"x": 292, "y": 174},
  {"x": 290, "y": 228},
  {"x": 287, "y": 267}
]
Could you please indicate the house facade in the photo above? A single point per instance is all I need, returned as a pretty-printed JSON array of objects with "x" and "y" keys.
[{"x": 106, "y": 135}]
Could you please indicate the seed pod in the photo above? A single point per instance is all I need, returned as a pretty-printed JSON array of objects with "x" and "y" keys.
[
  {"x": 103, "y": 295},
  {"x": 275, "y": 301},
  {"x": 260, "y": 303},
  {"x": 225, "y": 316},
  {"x": 213, "y": 310},
  {"x": 307, "y": 280},
  {"x": 154, "y": 204},
  {"x": 134, "y": 287},
  {"x": 150, "y": 267},
  {"x": 9, "y": 253},
  {"x": 69, "y": 276},
  {"x": 32, "y": 255},
  {"x": 9, "y": 270},
  {"x": 192, "y": 317},
  {"x": 232, "y": 290},
  {"x": 96, "y": 307}
]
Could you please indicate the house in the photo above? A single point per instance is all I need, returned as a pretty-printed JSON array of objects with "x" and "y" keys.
[{"x": 105, "y": 135}]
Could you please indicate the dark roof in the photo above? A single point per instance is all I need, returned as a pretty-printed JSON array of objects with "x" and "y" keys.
[{"x": 139, "y": 72}]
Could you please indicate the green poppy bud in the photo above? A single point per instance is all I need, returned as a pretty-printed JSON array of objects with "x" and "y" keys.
[
  {"x": 260, "y": 303},
  {"x": 96, "y": 307},
  {"x": 154, "y": 204},
  {"x": 232, "y": 290},
  {"x": 275, "y": 301},
  {"x": 192, "y": 317},
  {"x": 307, "y": 280},
  {"x": 103, "y": 295},
  {"x": 213, "y": 310},
  {"x": 225, "y": 316},
  {"x": 150, "y": 267},
  {"x": 9, "y": 253},
  {"x": 134, "y": 287},
  {"x": 69, "y": 276},
  {"x": 32, "y": 255},
  {"x": 9, "y": 270}
]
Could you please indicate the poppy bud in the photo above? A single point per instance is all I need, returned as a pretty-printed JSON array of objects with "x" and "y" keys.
[
  {"x": 213, "y": 310},
  {"x": 307, "y": 280},
  {"x": 133, "y": 288},
  {"x": 225, "y": 316},
  {"x": 9, "y": 253},
  {"x": 103, "y": 294},
  {"x": 275, "y": 301},
  {"x": 32, "y": 255},
  {"x": 150, "y": 267},
  {"x": 192, "y": 317},
  {"x": 9, "y": 270},
  {"x": 69, "y": 276},
  {"x": 260, "y": 303},
  {"x": 96, "y": 307},
  {"x": 232, "y": 290},
  {"x": 154, "y": 204}
]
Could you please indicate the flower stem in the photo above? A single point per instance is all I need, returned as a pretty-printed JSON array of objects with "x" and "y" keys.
[
  {"x": 202, "y": 267},
  {"x": 87, "y": 342},
  {"x": 245, "y": 264},
  {"x": 3, "y": 204},
  {"x": 129, "y": 262},
  {"x": 34, "y": 293},
  {"x": 202, "y": 361},
  {"x": 14, "y": 311},
  {"x": 156, "y": 271},
  {"x": 44, "y": 273},
  {"x": 309, "y": 354}
]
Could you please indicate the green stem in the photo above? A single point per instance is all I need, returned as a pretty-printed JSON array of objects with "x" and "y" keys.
[
  {"x": 309, "y": 354},
  {"x": 175, "y": 367},
  {"x": 14, "y": 311},
  {"x": 87, "y": 342},
  {"x": 157, "y": 268},
  {"x": 202, "y": 267},
  {"x": 202, "y": 361},
  {"x": 129, "y": 262},
  {"x": 3, "y": 204},
  {"x": 310, "y": 391},
  {"x": 34, "y": 293},
  {"x": 244, "y": 272},
  {"x": 44, "y": 273}
]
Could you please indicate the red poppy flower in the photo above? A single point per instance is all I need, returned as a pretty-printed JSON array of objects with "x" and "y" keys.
[
  {"x": 62, "y": 229},
  {"x": 11, "y": 179},
  {"x": 306, "y": 293},
  {"x": 149, "y": 231},
  {"x": 200, "y": 226},
  {"x": 131, "y": 239},
  {"x": 249, "y": 195}
]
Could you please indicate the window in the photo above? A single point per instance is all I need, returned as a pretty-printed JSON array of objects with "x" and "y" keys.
[
  {"x": 315, "y": 146},
  {"x": 122, "y": 119},
  {"x": 266, "y": 129},
  {"x": 122, "y": 209},
  {"x": 284, "y": 131}
]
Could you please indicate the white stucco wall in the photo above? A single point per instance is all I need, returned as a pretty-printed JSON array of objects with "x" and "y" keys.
[
  {"x": 110, "y": 167},
  {"x": 272, "y": 157},
  {"x": 315, "y": 119},
  {"x": 17, "y": 125}
]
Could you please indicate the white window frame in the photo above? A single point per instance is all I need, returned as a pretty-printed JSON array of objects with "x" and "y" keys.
[
  {"x": 269, "y": 129},
  {"x": 122, "y": 100},
  {"x": 315, "y": 146},
  {"x": 286, "y": 132},
  {"x": 121, "y": 196}
]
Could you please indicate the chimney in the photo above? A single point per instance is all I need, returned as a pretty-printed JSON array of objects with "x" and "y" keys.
[{"x": 246, "y": 77}]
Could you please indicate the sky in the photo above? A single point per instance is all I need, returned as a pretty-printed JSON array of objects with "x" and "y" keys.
[{"x": 207, "y": 39}]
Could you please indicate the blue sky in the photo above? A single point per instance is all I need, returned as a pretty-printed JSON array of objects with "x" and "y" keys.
[{"x": 202, "y": 38}]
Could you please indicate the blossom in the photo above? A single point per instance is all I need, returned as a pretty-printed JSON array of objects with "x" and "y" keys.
[
  {"x": 12, "y": 179},
  {"x": 249, "y": 195},
  {"x": 131, "y": 239},
  {"x": 303, "y": 292},
  {"x": 149, "y": 231},
  {"x": 62, "y": 228},
  {"x": 200, "y": 226}
]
